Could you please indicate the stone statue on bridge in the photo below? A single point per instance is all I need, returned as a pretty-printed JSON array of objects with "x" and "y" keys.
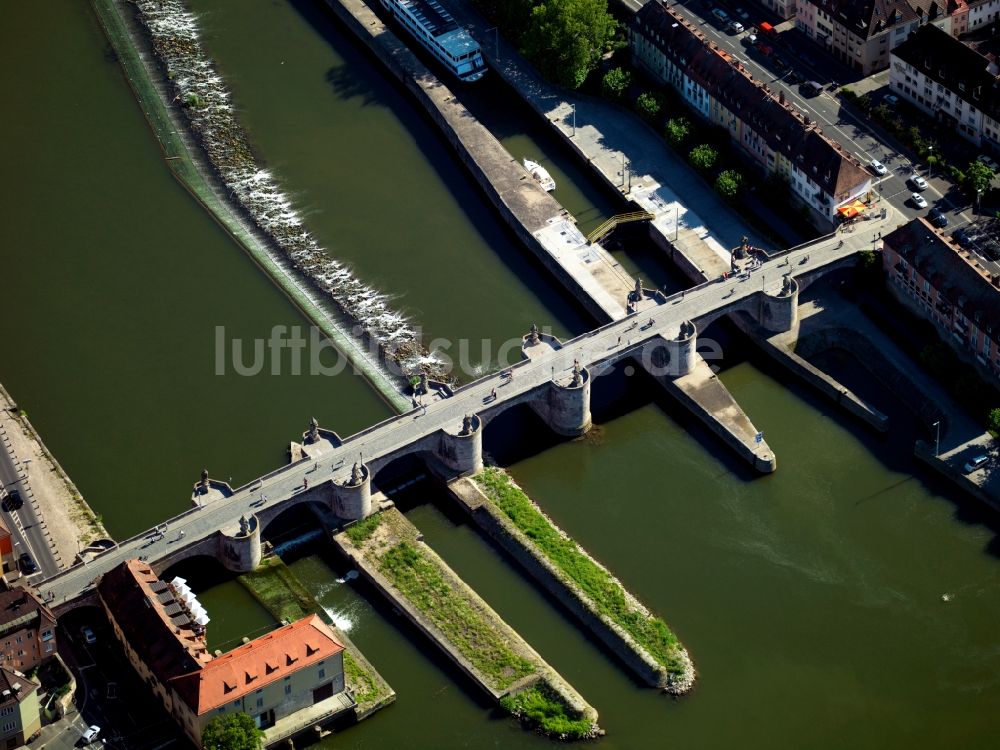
[
  {"x": 466, "y": 425},
  {"x": 533, "y": 337},
  {"x": 357, "y": 475},
  {"x": 577, "y": 374},
  {"x": 313, "y": 435},
  {"x": 203, "y": 484}
]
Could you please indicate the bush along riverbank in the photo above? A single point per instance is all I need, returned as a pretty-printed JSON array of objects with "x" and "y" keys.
[
  {"x": 640, "y": 638},
  {"x": 388, "y": 550},
  {"x": 205, "y": 100}
]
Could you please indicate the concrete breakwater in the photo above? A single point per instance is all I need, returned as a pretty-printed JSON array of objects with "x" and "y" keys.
[
  {"x": 201, "y": 94},
  {"x": 661, "y": 661},
  {"x": 390, "y": 553}
]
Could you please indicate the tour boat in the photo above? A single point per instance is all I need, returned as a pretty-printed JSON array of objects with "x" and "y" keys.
[
  {"x": 541, "y": 175},
  {"x": 434, "y": 28}
]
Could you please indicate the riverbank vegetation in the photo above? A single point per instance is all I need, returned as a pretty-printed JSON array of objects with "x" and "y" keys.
[
  {"x": 608, "y": 596},
  {"x": 542, "y": 707},
  {"x": 421, "y": 579}
]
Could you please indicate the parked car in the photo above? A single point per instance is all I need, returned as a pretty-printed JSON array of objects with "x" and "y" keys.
[
  {"x": 720, "y": 15},
  {"x": 27, "y": 564},
  {"x": 780, "y": 64},
  {"x": 764, "y": 49},
  {"x": 891, "y": 99},
  {"x": 735, "y": 27},
  {"x": 984, "y": 159},
  {"x": 918, "y": 200},
  {"x": 960, "y": 236},
  {"x": 812, "y": 88},
  {"x": 936, "y": 217},
  {"x": 918, "y": 182},
  {"x": 742, "y": 14},
  {"x": 877, "y": 167},
  {"x": 90, "y": 734},
  {"x": 794, "y": 77},
  {"x": 112, "y": 690},
  {"x": 13, "y": 501},
  {"x": 749, "y": 40},
  {"x": 88, "y": 634},
  {"x": 976, "y": 463}
]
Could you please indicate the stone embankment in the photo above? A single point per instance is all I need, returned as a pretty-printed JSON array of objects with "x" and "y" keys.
[
  {"x": 390, "y": 553},
  {"x": 598, "y": 599},
  {"x": 182, "y": 94}
]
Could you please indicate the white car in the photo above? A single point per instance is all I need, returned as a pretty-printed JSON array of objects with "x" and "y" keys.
[
  {"x": 877, "y": 167},
  {"x": 918, "y": 182},
  {"x": 90, "y": 734},
  {"x": 918, "y": 200}
]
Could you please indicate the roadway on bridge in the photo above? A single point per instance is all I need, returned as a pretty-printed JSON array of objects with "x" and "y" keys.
[{"x": 610, "y": 342}]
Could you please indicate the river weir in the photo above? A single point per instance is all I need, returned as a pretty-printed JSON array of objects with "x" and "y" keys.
[{"x": 202, "y": 94}]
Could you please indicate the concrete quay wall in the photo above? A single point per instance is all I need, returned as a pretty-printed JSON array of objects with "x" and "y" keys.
[
  {"x": 491, "y": 520},
  {"x": 524, "y": 206}
]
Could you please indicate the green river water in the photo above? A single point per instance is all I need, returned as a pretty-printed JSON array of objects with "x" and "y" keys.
[{"x": 810, "y": 599}]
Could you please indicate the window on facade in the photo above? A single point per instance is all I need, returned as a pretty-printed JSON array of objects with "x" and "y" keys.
[
  {"x": 9, "y": 726},
  {"x": 322, "y": 673},
  {"x": 288, "y": 689},
  {"x": 260, "y": 703}
]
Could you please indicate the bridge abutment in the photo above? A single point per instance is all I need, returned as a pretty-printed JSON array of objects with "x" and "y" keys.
[
  {"x": 462, "y": 451},
  {"x": 779, "y": 313},
  {"x": 352, "y": 499},
  {"x": 565, "y": 404}
]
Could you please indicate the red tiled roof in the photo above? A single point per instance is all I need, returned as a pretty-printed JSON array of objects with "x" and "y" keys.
[{"x": 253, "y": 665}]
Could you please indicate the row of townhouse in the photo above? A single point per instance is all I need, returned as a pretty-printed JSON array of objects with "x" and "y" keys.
[
  {"x": 863, "y": 33},
  {"x": 769, "y": 130},
  {"x": 951, "y": 81},
  {"x": 943, "y": 283}
]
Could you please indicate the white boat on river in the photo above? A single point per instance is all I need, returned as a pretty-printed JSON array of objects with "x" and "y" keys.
[{"x": 541, "y": 175}]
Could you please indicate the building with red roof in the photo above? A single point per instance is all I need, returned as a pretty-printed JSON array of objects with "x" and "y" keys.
[{"x": 295, "y": 670}]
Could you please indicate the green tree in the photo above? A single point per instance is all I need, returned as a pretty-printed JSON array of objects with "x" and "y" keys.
[
  {"x": 728, "y": 184},
  {"x": 615, "y": 83},
  {"x": 648, "y": 105},
  {"x": 678, "y": 130},
  {"x": 566, "y": 38},
  {"x": 703, "y": 157},
  {"x": 235, "y": 731},
  {"x": 978, "y": 177},
  {"x": 993, "y": 421}
]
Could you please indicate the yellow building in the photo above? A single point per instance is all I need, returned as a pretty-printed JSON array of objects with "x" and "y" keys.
[{"x": 20, "y": 717}]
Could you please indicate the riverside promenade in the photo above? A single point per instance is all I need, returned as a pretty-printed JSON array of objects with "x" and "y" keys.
[{"x": 632, "y": 158}]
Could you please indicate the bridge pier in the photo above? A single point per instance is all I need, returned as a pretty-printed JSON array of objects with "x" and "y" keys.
[
  {"x": 239, "y": 545},
  {"x": 779, "y": 313},
  {"x": 352, "y": 499},
  {"x": 565, "y": 404},
  {"x": 674, "y": 356},
  {"x": 462, "y": 451}
]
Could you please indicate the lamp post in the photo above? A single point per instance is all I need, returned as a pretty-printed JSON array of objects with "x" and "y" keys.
[
  {"x": 937, "y": 438},
  {"x": 930, "y": 164},
  {"x": 496, "y": 41}
]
